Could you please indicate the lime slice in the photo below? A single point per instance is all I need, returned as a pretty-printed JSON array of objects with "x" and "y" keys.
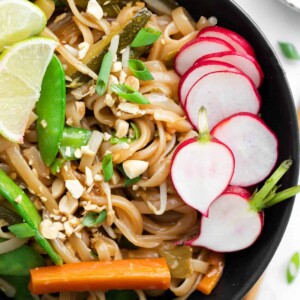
[
  {"x": 22, "y": 68},
  {"x": 19, "y": 19}
]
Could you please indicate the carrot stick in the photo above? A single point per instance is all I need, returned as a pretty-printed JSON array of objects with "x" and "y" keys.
[
  {"x": 210, "y": 280},
  {"x": 101, "y": 275}
]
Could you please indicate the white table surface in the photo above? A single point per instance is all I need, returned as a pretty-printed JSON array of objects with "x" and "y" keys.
[{"x": 279, "y": 23}]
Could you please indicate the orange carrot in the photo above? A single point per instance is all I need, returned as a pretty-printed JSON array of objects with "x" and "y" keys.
[
  {"x": 129, "y": 274},
  {"x": 210, "y": 280}
]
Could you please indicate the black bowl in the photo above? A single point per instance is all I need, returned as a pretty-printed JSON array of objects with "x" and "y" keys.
[{"x": 244, "y": 268}]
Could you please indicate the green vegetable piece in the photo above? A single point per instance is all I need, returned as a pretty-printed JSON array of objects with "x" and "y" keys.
[
  {"x": 104, "y": 73},
  {"x": 107, "y": 166},
  {"x": 95, "y": 55},
  {"x": 137, "y": 52},
  {"x": 293, "y": 268},
  {"x": 146, "y": 36},
  {"x": 162, "y": 7},
  {"x": 9, "y": 216},
  {"x": 20, "y": 261},
  {"x": 179, "y": 260},
  {"x": 289, "y": 50},
  {"x": 114, "y": 140},
  {"x": 51, "y": 109},
  {"x": 73, "y": 138},
  {"x": 121, "y": 295},
  {"x": 57, "y": 164},
  {"x": 92, "y": 218},
  {"x": 22, "y": 230},
  {"x": 139, "y": 69},
  {"x": 21, "y": 284},
  {"x": 137, "y": 132},
  {"x": 128, "y": 182},
  {"x": 11, "y": 191},
  {"x": 128, "y": 93}
]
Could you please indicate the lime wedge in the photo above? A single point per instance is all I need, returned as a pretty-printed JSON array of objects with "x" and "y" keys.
[
  {"x": 19, "y": 19},
  {"x": 22, "y": 68}
]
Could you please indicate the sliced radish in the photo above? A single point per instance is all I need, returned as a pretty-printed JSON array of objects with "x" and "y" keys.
[
  {"x": 244, "y": 62},
  {"x": 236, "y": 217},
  {"x": 231, "y": 225},
  {"x": 254, "y": 146},
  {"x": 197, "y": 48},
  {"x": 223, "y": 93},
  {"x": 201, "y": 168},
  {"x": 231, "y": 37},
  {"x": 193, "y": 74}
]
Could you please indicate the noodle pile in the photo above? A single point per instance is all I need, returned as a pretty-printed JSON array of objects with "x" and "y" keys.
[{"x": 148, "y": 214}]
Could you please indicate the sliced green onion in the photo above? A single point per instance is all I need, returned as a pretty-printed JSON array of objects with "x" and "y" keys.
[
  {"x": 92, "y": 218},
  {"x": 146, "y": 36},
  {"x": 293, "y": 268},
  {"x": 22, "y": 230},
  {"x": 139, "y": 69},
  {"x": 289, "y": 50},
  {"x": 128, "y": 182},
  {"x": 107, "y": 166},
  {"x": 137, "y": 133},
  {"x": 128, "y": 93},
  {"x": 104, "y": 73},
  {"x": 114, "y": 140},
  {"x": 56, "y": 165}
]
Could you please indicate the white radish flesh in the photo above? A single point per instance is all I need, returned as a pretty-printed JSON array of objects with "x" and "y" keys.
[
  {"x": 223, "y": 93},
  {"x": 197, "y": 48},
  {"x": 201, "y": 171},
  {"x": 237, "y": 41},
  {"x": 254, "y": 146},
  {"x": 245, "y": 63},
  {"x": 231, "y": 225},
  {"x": 193, "y": 74}
]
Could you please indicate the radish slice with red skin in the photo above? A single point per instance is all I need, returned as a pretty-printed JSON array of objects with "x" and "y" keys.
[
  {"x": 197, "y": 48},
  {"x": 245, "y": 63},
  {"x": 231, "y": 225},
  {"x": 236, "y": 217},
  {"x": 254, "y": 146},
  {"x": 202, "y": 168},
  {"x": 223, "y": 93},
  {"x": 239, "y": 43},
  {"x": 193, "y": 74}
]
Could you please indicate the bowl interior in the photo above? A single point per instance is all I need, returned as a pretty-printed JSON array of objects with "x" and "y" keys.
[{"x": 243, "y": 268}]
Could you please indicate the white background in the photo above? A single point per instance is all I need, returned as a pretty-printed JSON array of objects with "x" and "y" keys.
[{"x": 280, "y": 23}]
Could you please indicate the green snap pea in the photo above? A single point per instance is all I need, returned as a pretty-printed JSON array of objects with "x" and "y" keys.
[
  {"x": 26, "y": 209},
  {"x": 51, "y": 109},
  {"x": 73, "y": 138}
]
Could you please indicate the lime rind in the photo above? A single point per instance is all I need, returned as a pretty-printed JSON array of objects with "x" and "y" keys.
[
  {"x": 19, "y": 19},
  {"x": 22, "y": 68}
]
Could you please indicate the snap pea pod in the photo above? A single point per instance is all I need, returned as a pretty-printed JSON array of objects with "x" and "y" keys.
[
  {"x": 73, "y": 138},
  {"x": 23, "y": 205},
  {"x": 51, "y": 109}
]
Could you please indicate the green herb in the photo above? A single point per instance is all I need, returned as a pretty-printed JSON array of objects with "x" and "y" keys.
[
  {"x": 104, "y": 73},
  {"x": 92, "y": 218},
  {"x": 56, "y": 165},
  {"x": 139, "y": 69},
  {"x": 128, "y": 93},
  {"x": 107, "y": 166},
  {"x": 146, "y": 36},
  {"x": 289, "y": 50},
  {"x": 293, "y": 268},
  {"x": 128, "y": 181},
  {"x": 22, "y": 230}
]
